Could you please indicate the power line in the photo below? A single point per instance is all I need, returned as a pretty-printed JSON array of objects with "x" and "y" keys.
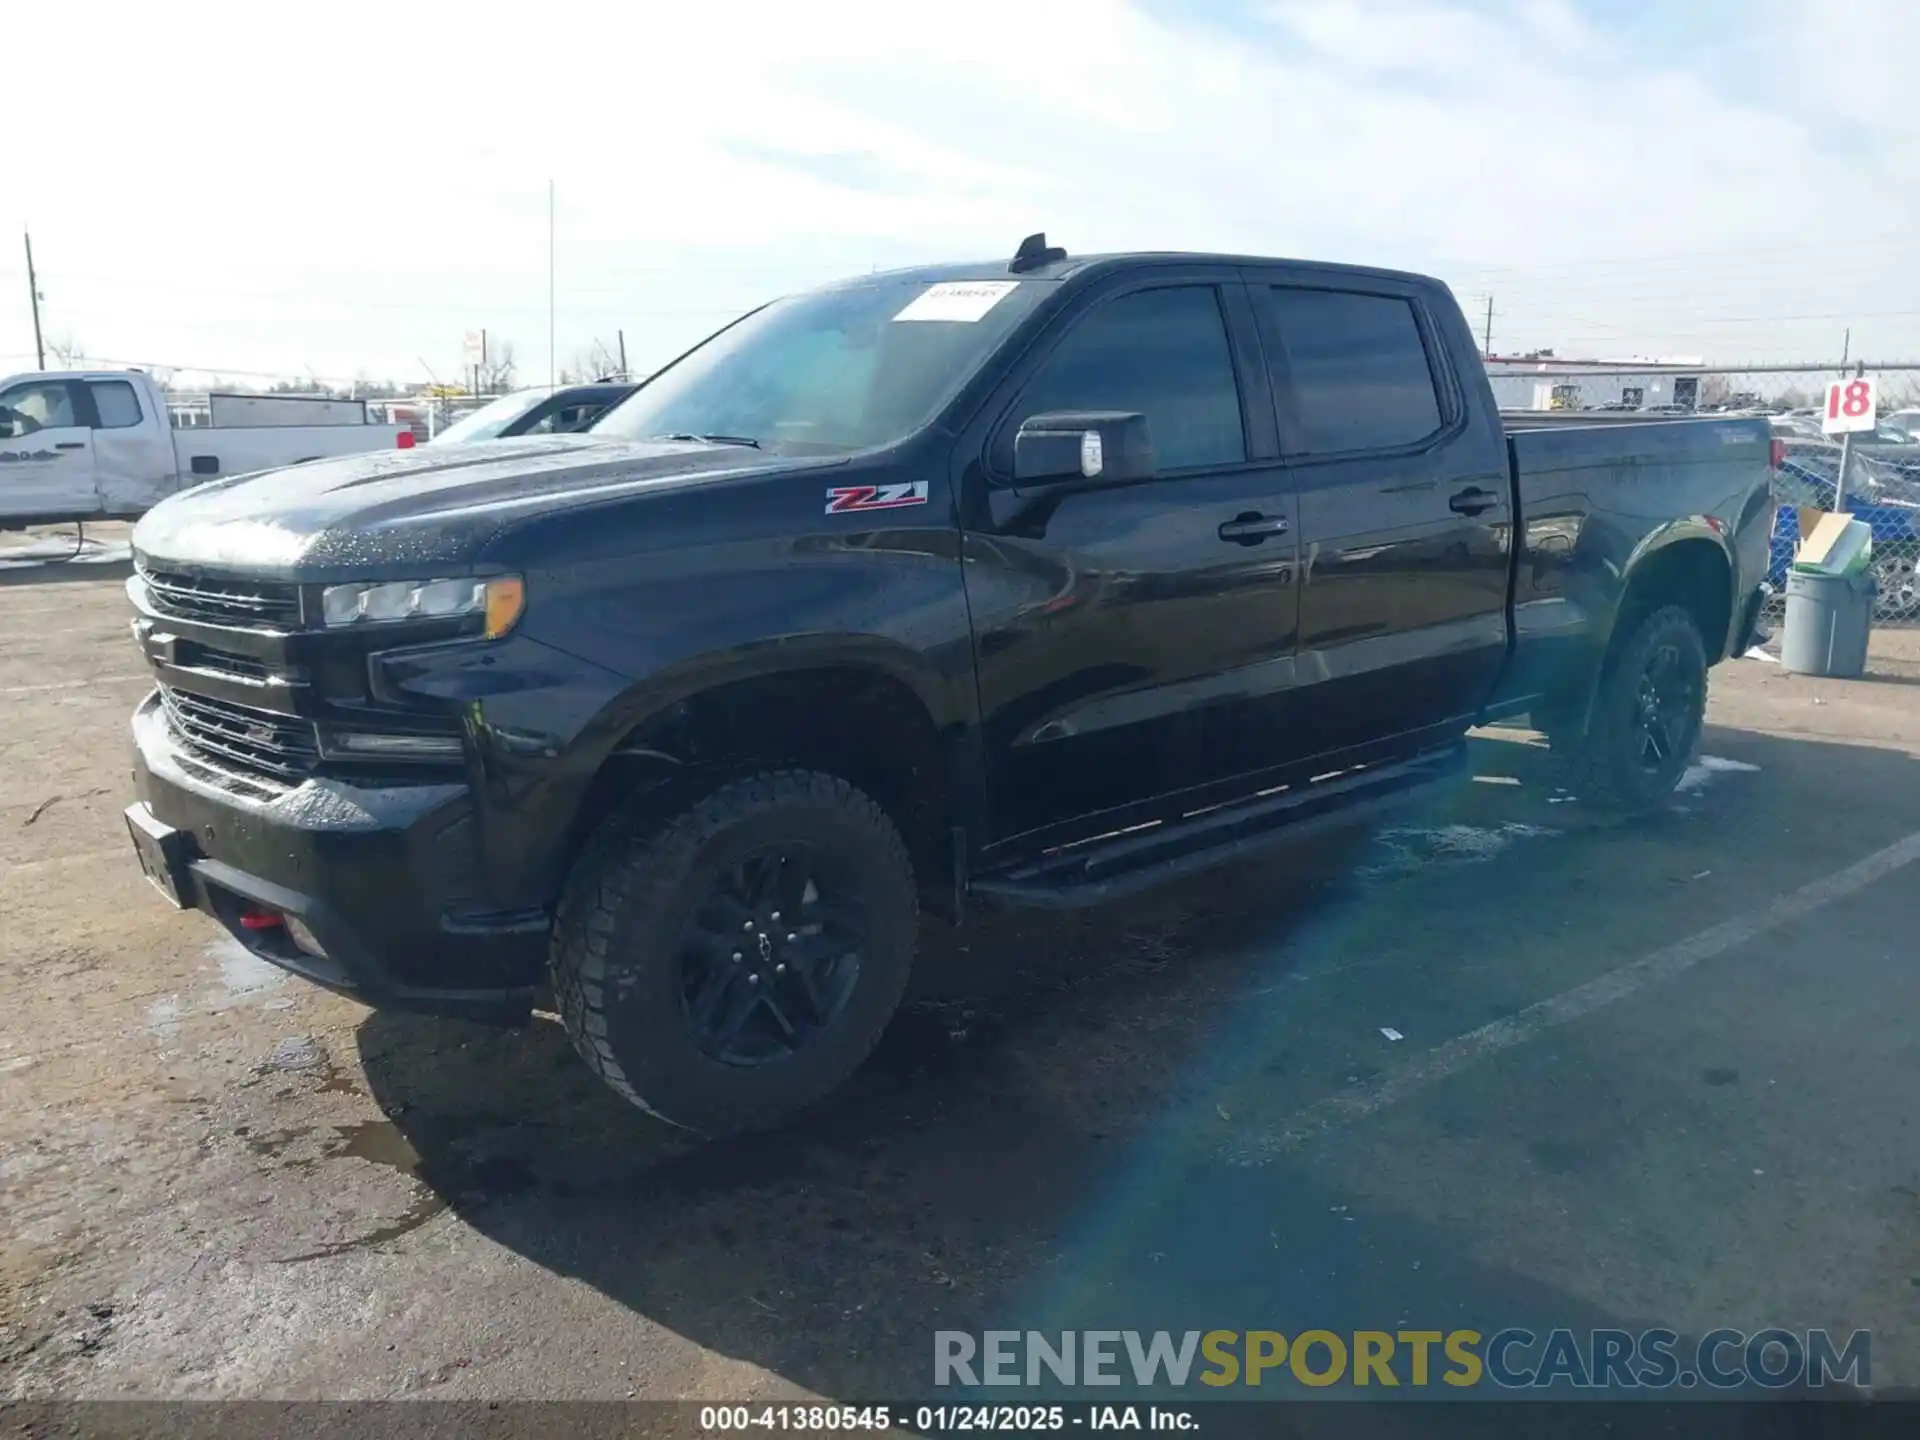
[{"x": 1901, "y": 240}]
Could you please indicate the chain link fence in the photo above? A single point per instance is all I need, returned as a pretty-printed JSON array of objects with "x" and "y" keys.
[{"x": 1883, "y": 489}]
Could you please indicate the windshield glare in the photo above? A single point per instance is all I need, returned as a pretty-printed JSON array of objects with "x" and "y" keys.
[
  {"x": 490, "y": 419},
  {"x": 832, "y": 371}
]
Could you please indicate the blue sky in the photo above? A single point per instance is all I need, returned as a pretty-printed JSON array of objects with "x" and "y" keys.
[{"x": 276, "y": 191}]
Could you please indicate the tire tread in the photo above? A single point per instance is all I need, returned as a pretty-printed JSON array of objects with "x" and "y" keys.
[
  {"x": 1588, "y": 761},
  {"x": 636, "y": 861}
]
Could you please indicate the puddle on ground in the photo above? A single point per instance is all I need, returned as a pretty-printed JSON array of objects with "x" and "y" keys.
[
  {"x": 241, "y": 973},
  {"x": 243, "y": 979},
  {"x": 1406, "y": 850},
  {"x": 379, "y": 1142},
  {"x": 163, "y": 1017}
]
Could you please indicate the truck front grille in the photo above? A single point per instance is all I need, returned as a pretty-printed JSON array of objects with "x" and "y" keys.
[
  {"x": 252, "y": 603},
  {"x": 258, "y": 742},
  {"x": 194, "y": 656}
]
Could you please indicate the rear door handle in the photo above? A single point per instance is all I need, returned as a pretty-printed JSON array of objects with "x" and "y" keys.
[
  {"x": 1252, "y": 528},
  {"x": 1472, "y": 500},
  {"x": 69, "y": 444}
]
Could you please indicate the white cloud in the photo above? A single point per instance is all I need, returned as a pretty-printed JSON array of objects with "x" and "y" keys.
[{"x": 271, "y": 188}]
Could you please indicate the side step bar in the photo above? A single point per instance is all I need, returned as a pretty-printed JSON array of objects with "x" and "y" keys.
[{"x": 1099, "y": 870}]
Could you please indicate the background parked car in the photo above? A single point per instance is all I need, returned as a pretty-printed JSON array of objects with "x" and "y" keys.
[
  {"x": 1885, "y": 494},
  {"x": 537, "y": 412},
  {"x": 1906, "y": 422}
]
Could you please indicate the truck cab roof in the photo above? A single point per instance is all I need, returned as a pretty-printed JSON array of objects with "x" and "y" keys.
[{"x": 1087, "y": 267}]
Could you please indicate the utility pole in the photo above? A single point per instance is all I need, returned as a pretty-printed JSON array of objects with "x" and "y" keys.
[
  {"x": 1487, "y": 346},
  {"x": 33, "y": 292},
  {"x": 623, "y": 352},
  {"x": 1846, "y": 349},
  {"x": 550, "y": 340},
  {"x": 483, "y": 356}
]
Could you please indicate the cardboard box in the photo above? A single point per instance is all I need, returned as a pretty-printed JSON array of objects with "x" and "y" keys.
[{"x": 1837, "y": 545}]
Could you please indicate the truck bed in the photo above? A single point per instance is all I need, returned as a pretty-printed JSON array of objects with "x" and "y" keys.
[{"x": 1595, "y": 495}]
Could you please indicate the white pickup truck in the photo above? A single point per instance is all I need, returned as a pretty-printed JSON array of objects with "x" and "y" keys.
[{"x": 100, "y": 444}]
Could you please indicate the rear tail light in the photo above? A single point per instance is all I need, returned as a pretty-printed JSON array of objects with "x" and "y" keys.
[
  {"x": 260, "y": 919},
  {"x": 1776, "y": 452},
  {"x": 404, "y": 440}
]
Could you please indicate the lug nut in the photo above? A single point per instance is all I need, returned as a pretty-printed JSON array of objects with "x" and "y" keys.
[
  {"x": 753, "y": 979},
  {"x": 748, "y": 926},
  {"x": 780, "y": 969},
  {"x": 736, "y": 957},
  {"x": 792, "y": 937},
  {"x": 775, "y": 917}
]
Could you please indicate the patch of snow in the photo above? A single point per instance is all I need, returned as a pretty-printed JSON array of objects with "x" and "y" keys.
[
  {"x": 61, "y": 552},
  {"x": 1700, "y": 774}
]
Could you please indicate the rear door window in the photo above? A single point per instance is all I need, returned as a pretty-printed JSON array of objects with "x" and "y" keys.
[
  {"x": 119, "y": 407},
  {"x": 1359, "y": 370}
]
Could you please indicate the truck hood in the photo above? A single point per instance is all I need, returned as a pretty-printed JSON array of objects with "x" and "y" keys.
[{"x": 394, "y": 511}]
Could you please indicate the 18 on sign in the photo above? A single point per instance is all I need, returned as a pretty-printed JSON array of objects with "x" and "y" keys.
[{"x": 1852, "y": 406}]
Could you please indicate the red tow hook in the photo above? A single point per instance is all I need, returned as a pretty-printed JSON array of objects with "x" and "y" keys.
[{"x": 261, "y": 919}]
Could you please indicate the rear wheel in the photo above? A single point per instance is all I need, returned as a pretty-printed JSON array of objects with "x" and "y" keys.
[
  {"x": 739, "y": 962},
  {"x": 1646, "y": 717}
]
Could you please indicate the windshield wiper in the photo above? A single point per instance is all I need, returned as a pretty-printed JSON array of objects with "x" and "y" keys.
[{"x": 746, "y": 440}]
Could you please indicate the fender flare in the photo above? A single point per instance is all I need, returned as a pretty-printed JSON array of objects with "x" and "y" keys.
[{"x": 1684, "y": 529}]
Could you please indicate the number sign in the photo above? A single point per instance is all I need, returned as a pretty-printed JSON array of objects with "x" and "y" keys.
[{"x": 1853, "y": 407}]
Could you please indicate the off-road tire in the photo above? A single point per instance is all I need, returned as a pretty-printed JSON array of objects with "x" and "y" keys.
[
  {"x": 1600, "y": 764},
  {"x": 614, "y": 961}
]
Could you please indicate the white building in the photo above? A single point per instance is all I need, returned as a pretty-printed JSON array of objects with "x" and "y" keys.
[{"x": 1545, "y": 383}]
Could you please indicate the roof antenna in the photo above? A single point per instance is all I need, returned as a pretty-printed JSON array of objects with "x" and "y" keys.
[{"x": 1033, "y": 253}]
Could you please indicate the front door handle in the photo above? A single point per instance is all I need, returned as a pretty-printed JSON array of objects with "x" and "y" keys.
[
  {"x": 1252, "y": 528},
  {"x": 1472, "y": 500},
  {"x": 69, "y": 444}
]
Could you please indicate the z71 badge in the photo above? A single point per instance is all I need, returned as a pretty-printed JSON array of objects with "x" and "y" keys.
[{"x": 876, "y": 497}]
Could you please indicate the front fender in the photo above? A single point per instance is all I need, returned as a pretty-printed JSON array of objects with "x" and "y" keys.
[{"x": 652, "y": 696}]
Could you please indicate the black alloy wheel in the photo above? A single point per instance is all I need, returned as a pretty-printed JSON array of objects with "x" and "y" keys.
[
  {"x": 1666, "y": 700},
  {"x": 771, "y": 955}
]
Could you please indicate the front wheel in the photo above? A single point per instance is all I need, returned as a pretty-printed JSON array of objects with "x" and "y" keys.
[
  {"x": 739, "y": 962},
  {"x": 1646, "y": 717}
]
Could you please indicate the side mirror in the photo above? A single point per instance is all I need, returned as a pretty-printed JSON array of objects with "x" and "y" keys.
[
  {"x": 6, "y": 422},
  {"x": 1083, "y": 448}
]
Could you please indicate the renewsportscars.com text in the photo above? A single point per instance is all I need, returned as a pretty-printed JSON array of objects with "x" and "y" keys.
[{"x": 1513, "y": 1359}]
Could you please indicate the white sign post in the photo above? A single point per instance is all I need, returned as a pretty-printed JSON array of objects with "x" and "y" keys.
[{"x": 1853, "y": 408}]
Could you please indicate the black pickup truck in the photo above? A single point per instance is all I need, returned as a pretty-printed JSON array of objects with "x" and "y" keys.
[{"x": 1021, "y": 583}]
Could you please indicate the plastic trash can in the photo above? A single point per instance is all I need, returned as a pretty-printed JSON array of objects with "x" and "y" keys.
[{"x": 1828, "y": 620}]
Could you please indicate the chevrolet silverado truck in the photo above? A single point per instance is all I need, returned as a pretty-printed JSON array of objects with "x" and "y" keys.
[{"x": 1027, "y": 583}]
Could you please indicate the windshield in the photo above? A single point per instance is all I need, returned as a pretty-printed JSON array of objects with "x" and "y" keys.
[
  {"x": 850, "y": 368},
  {"x": 489, "y": 420}
]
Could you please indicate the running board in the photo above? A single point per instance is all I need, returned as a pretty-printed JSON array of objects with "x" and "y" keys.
[{"x": 1095, "y": 871}]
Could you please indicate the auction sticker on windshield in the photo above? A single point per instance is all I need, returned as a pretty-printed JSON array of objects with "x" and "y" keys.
[{"x": 963, "y": 300}]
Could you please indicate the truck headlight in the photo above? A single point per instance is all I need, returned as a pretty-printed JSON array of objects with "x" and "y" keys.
[{"x": 500, "y": 600}]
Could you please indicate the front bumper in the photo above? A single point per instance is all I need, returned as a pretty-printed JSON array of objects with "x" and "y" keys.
[{"x": 386, "y": 879}]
